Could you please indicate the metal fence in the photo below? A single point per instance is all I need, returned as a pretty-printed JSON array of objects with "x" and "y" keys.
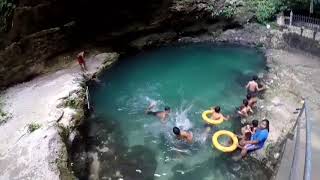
[
  {"x": 295, "y": 167},
  {"x": 297, "y": 20},
  {"x": 305, "y": 21}
]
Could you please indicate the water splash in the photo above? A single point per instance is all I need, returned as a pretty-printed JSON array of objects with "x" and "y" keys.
[
  {"x": 152, "y": 102},
  {"x": 181, "y": 118}
]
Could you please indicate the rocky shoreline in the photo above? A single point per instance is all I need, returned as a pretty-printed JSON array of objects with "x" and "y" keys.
[{"x": 52, "y": 104}]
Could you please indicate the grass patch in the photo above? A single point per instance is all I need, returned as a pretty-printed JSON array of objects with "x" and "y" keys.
[
  {"x": 33, "y": 126},
  {"x": 75, "y": 100}
]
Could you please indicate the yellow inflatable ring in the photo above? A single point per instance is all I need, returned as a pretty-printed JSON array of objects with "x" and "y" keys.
[
  {"x": 209, "y": 120},
  {"x": 225, "y": 148}
]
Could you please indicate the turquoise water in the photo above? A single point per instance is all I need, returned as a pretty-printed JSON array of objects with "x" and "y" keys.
[{"x": 189, "y": 78}]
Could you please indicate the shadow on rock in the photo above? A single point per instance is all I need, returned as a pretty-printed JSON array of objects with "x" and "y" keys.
[{"x": 100, "y": 151}]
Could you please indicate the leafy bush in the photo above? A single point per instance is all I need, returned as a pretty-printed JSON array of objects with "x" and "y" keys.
[
  {"x": 33, "y": 126},
  {"x": 228, "y": 11},
  {"x": 75, "y": 101},
  {"x": 266, "y": 10}
]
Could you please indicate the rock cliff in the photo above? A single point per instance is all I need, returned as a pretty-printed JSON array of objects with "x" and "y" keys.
[{"x": 42, "y": 29}]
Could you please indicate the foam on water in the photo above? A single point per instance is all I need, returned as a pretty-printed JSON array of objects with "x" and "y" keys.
[{"x": 181, "y": 118}]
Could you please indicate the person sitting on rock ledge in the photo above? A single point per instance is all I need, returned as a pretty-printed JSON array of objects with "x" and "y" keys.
[
  {"x": 247, "y": 131},
  {"x": 257, "y": 140},
  {"x": 253, "y": 87}
]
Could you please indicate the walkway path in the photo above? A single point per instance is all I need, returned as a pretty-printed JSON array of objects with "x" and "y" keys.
[{"x": 304, "y": 80}]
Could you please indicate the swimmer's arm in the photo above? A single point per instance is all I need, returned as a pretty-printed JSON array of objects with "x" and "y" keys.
[
  {"x": 163, "y": 119},
  {"x": 225, "y": 117},
  {"x": 247, "y": 86},
  {"x": 243, "y": 113},
  {"x": 252, "y": 132},
  {"x": 188, "y": 136},
  {"x": 240, "y": 136},
  {"x": 251, "y": 142},
  {"x": 262, "y": 88},
  {"x": 250, "y": 109}
]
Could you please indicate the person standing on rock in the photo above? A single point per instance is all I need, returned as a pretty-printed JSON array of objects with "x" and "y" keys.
[
  {"x": 82, "y": 63},
  {"x": 253, "y": 87}
]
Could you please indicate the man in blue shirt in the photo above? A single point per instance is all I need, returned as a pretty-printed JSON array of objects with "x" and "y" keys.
[{"x": 257, "y": 140}]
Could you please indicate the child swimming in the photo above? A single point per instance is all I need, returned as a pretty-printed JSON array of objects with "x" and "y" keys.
[
  {"x": 163, "y": 115},
  {"x": 183, "y": 135},
  {"x": 245, "y": 109}
]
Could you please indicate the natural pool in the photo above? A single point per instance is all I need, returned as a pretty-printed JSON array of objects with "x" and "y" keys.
[{"x": 189, "y": 78}]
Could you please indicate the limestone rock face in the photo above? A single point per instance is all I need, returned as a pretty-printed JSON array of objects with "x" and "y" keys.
[
  {"x": 32, "y": 16},
  {"x": 25, "y": 59},
  {"x": 38, "y": 29}
]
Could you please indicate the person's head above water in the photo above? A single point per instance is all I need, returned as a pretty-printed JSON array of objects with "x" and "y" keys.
[
  {"x": 167, "y": 109},
  {"x": 245, "y": 102},
  {"x": 249, "y": 96},
  {"x": 255, "y": 123},
  {"x": 176, "y": 131},
  {"x": 217, "y": 109},
  {"x": 255, "y": 77},
  {"x": 264, "y": 124}
]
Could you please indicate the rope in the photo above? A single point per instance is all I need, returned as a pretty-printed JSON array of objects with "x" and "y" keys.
[{"x": 87, "y": 95}]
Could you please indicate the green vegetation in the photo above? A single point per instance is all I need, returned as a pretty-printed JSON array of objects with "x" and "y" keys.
[
  {"x": 266, "y": 10},
  {"x": 6, "y": 10},
  {"x": 33, "y": 126},
  {"x": 75, "y": 102},
  {"x": 3, "y": 115},
  {"x": 228, "y": 11}
]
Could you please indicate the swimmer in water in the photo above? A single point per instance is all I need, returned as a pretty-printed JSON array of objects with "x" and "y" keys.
[
  {"x": 245, "y": 109},
  {"x": 216, "y": 114},
  {"x": 252, "y": 101},
  {"x": 163, "y": 115},
  {"x": 253, "y": 87},
  {"x": 183, "y": 135}
]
